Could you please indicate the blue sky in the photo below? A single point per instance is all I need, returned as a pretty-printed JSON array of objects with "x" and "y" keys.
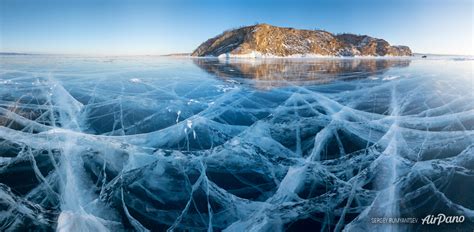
[{"x": 134, "y": 27}]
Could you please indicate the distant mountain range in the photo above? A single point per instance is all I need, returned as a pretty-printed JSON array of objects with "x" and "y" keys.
[
  {"x": 14, "y": 53},
  {"x": 264, "y": 40}
]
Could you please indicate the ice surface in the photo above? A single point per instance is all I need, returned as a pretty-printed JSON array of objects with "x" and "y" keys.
[{"x": 155, "y": 144}]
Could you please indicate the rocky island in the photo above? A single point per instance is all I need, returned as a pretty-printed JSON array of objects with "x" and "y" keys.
[{"x": 264, "y": 40}]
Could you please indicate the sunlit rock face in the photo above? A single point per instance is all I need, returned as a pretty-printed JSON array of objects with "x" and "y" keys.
[
  {"x": 363, "y": 45},
  {"x": 264, "y": 40},
  {"x": 137, "y": 144}
]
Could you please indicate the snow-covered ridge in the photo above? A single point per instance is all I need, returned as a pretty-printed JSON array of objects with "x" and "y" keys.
[{"x": 259, "y": 55}]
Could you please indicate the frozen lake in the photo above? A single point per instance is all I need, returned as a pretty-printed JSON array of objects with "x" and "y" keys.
[{"x": 181, "y": 144}]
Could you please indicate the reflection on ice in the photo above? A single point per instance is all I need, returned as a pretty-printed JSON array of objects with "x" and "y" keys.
[
  {"x": 194, "y": 144},
  {"x": 277, "y": 72}
]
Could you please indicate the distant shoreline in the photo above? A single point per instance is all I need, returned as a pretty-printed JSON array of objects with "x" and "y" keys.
[{"x": 17, "y": 54}]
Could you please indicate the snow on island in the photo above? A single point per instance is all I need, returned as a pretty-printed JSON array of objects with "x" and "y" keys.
[{"x": 267, "y": 41}]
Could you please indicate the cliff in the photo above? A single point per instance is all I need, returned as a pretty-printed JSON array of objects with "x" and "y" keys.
[{"x": 263, "y": 40}]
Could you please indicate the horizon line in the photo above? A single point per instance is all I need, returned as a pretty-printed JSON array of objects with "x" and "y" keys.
[{"x": 170, "y": 54}]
